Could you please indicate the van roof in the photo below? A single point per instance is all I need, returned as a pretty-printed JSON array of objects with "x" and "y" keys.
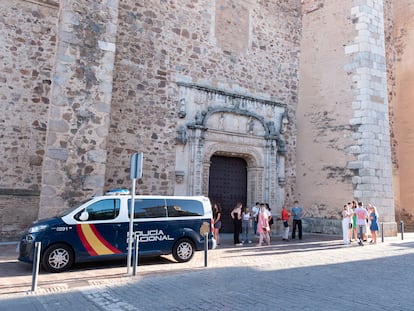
[{"x": 126, "y": 192}]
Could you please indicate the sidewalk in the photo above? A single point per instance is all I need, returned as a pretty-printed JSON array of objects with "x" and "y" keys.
[
  {"x": 317, "y": 273},
  {"x": 16, "y": 277}
]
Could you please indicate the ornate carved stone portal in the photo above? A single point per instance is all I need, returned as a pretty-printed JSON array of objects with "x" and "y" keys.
[{"x": 217, "y": 122}]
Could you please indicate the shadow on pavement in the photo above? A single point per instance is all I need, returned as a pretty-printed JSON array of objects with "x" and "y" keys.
[{"x": 15, "y": 276}]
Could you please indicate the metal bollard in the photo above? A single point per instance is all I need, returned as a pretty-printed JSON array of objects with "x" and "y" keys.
[
  {"x": 36, "y": 264},
  {"x": 205, "y": 248},
  {"x": 135, "y": 257},
  {"x": 402, "y": 230},
  {"x": 382, "y": 232}
]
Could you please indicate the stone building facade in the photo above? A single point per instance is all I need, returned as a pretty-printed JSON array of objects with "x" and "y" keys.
[
  {"x": 401, "y": 76},
  {"x": 88, "y": 83},
  {"x": 343, "y": 104}
]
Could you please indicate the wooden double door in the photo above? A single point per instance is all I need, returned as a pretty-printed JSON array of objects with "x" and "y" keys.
[{"x": 227, "y": 186}]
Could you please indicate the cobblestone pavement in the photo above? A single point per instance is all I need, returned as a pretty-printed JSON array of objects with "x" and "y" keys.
[{"x": 317, "y": 273}]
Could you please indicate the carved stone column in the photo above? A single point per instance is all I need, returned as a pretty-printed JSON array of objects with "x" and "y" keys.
[
  {"x": 373, "y": 182},
  {"x": 76, "y": 150},
  {"x": 196, "y": 143}
]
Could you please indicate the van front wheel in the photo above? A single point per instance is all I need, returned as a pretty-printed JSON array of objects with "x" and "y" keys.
[
  {"x": 57, "y": 258},
  {"x": 183, "y": 250}
]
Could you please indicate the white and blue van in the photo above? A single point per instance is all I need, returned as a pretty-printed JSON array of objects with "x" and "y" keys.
[{"x": 98, "y": 229}]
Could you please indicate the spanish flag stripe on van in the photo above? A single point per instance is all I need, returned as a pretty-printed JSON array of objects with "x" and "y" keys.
[
  {"x": 113, "y": 250},
  {"x": 85, "y": 243},
  {"x": 93, "y": 242}
]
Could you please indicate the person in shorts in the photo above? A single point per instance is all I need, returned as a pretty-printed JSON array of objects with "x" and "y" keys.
[
  {"x": 217, "y": 221},
  {"x": 361, "y": 222}
]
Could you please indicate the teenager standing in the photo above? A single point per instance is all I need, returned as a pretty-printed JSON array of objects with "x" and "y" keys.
[{"x": 236, "y": 215}]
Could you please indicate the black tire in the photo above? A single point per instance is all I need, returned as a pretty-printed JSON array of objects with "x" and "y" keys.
[
  {"x": 183, "y": 250},
  {"x": 57, "y": 258}
]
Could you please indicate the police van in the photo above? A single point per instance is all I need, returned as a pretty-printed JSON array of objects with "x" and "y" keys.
[{"x": 98, "y": 229}]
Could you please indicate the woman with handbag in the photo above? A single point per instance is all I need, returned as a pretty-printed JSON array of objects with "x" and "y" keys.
[{"x": 263, "y": 227}]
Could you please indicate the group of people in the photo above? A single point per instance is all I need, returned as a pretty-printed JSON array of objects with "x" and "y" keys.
[
  {"x": 296, "y": 213},
  {"x": 357, "y": 220},
  {"x": 262, "y": 222},
  {"x": 262, "y": 218}
]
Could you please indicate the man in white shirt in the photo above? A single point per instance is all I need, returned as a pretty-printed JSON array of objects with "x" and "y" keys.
[{"x": 255, "y": 212}]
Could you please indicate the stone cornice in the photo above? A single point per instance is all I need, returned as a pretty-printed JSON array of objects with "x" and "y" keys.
[{"x": 48, "y": 3}]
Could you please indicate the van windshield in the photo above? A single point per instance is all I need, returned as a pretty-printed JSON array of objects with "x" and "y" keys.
[{"x": 70, "y": 210}]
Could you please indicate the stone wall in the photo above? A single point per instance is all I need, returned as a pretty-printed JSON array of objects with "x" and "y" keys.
[
  {"x": 79, "y": 114},
  {"x": 321, "y": 225},
  {"x": 87, "y": 83},
  {"x": 373, "y": 182},
  {"x": 402, "y": 56},
  {"x": 324, "y": 133},
  {"x": 160, "y": 45},
  {"x": 28, "y": 42},
  {"x": 343, "y": 103},
  {"x": 18, "y": 208}
]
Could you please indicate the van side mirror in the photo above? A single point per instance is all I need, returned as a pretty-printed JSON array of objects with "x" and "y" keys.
[{"x": 84, "y": 216}]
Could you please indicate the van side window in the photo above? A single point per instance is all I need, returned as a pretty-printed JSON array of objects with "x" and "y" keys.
[
  {"x": 148, "y": 208},
  {"x": 102, "y": 210},
  {"x": 181, "y": 208}
]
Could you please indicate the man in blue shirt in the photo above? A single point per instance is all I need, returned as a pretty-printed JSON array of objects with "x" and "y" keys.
[{"x": 297, "y": 220}]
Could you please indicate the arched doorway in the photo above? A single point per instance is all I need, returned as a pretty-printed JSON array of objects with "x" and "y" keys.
[{"x": 227, "y": 185}]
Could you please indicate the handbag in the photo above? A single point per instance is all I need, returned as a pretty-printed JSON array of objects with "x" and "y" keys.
[{"x": 285, "y": 224}]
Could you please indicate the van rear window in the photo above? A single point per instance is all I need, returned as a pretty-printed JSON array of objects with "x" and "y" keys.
[
  {"x": 148, "y": 208},
  {"x": 157, "y": 208},
  {"x": 182, "y": 208}
]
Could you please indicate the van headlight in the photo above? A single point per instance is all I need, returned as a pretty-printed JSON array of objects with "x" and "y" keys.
[{"x": 38, "y": 228}]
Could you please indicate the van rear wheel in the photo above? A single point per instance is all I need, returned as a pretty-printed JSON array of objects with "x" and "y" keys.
[
  {"x": 57, "y": 258},
  {"x": 183, "y": 250}
]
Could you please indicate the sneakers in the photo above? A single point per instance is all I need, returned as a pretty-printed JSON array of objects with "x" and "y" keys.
[
  {"x": 239, "y": 244},
  {"x": 360, "y": 243}
]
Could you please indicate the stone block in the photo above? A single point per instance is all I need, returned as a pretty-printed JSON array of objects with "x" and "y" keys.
[
  {"x": 352, "y": 165},
  {"x": 322, "y": 225}
]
